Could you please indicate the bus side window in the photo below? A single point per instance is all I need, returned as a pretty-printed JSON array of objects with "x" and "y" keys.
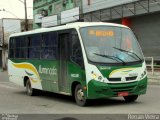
[
  {"x": 20, "y": 47},
  {"x": 49, "y": 46},
  {"x": 11, "y": 48},
  {"x": 34, "y": 46},
  {"x": 76, "y": 51}
]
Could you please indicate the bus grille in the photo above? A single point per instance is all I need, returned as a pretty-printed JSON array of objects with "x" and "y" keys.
[
  {"x": 131, "y": 78},
  {"x": 114, "y": 79},
  {"x": 125, "y": 88},
  {"x": 119, "y": 79}
]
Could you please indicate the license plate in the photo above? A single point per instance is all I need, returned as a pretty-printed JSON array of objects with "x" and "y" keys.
[{"x": 121, "y": 94}]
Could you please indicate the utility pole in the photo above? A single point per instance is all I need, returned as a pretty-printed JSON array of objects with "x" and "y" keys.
[
  {"x": 3, "y": 47},
  {"x": 26, "y": 20}
]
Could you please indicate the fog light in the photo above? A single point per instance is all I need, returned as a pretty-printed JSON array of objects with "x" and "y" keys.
[
  {"x": 100, "y": 78},
  {"x": 94, "y": 76}
]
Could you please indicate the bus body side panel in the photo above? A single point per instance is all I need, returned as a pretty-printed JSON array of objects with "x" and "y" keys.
[
  {"x": 48, "y": 73},
  {"x": 18, "y": 69},
  {"x": 42, "y": 74},
  {"x": 75, "y": 62},
  {"x": 14, "y": 74},
  {"x": 76, "y": 74}
]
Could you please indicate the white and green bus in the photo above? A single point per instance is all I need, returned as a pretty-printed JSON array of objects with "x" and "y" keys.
[{"x": 84, "y": 60}]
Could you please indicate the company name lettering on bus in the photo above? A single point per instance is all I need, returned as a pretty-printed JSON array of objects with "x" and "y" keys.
[
  {"x": 75, "y": 75},
  {"x": 50, "y": 71},
  {"x": 105, "y": 68},
  {"x": 101, "y": 33}
]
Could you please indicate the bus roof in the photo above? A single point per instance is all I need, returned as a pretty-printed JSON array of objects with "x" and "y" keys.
[{"x": 67, "y": 26}]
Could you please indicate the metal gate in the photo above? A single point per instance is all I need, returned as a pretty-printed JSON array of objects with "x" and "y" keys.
[{"x": 0, "y": 59}]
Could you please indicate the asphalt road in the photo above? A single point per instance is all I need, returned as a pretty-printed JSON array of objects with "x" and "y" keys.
[{"x": 13, "y": 99}]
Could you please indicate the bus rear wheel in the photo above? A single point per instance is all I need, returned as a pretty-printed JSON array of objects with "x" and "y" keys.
[
  {"x": 79, "y": 96},
  {"x": 30, "y": 91},
  {"x": 131, "y": 98}
]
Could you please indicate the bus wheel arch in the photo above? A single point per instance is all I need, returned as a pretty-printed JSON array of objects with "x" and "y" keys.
[
  {"x": 25, "y": 80},
  {"x": 73, "y": 87},
  {"x": 78, "y": 94},
  {"x": 29, "y": 90}
]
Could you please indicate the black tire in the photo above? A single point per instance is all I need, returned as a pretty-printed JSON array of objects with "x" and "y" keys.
[
  {"x": 79, "y": 96},
  {"x": 30, "y": 91},
  {"x": 131, "y": 98}
]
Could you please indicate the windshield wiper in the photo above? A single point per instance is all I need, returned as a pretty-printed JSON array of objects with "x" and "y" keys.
[
  {"x": 129, "y": 52},
  {"x": 111, "y": 57}
]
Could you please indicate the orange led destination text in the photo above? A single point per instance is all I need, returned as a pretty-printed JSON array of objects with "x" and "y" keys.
[{"x": 102, "y": 33}]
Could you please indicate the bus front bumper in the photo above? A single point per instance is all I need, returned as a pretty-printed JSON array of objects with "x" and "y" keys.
[{"x": 104, "y": 90}]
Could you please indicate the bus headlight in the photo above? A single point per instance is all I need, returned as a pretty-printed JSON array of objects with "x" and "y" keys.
[
  {"x": 100, "y": 78},
  {"x": 143, "y": 74},
  {"x": 96, "y": 76}
]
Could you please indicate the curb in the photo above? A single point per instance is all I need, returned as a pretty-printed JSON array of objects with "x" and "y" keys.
[{"x": 154, "y": 81}]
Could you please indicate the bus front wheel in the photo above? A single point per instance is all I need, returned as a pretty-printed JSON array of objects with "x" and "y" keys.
[
  {"x": 30, "y": 91},
  {"x": 131, "y": 98},
  {"x": 79, "y": 96}
]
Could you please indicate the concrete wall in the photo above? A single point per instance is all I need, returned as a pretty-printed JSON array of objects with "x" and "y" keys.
[
  {"x": 10, "y": 26},
  {"x": 147, "y": 28},
  {"x": 100, "y": 4},
  {"x": 0, "y": 59},
  {"x": 53, "y": 8}
]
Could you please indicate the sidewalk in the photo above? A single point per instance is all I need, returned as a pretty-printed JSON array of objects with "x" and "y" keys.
[
  {"x": 4, "y": 76},
  {"x": 154, "y": 79}
]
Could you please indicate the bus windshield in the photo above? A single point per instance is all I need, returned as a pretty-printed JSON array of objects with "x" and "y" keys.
[{"x": 107, "y": 44}]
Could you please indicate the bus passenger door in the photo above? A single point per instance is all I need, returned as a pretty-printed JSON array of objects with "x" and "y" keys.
[{"x": 63, "y": 57}]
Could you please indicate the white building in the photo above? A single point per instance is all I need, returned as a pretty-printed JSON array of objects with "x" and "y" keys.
[{"x": 7, "y": 27}]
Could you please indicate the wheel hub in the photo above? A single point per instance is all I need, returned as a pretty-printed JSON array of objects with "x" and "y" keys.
[
  {"x": 29, "y": 88},
  {"x": 80, "y": 95}
]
